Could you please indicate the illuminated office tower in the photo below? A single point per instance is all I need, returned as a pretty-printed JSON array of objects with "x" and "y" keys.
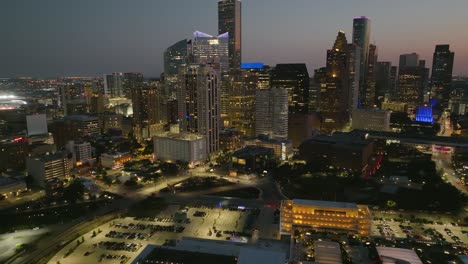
[
  {"x": 295, "y": 79},
  {"x": 198, "y": 100},
  {"x": 361, "y": 37},
  {"x": 242, "y": 101},
  {"x": 113, "y": 85},
  {"x": 176, "y": 56},
  {"x": 354, "y": 58},
  {"x": 412, "y": 80},
  {"x": 208, "y": 49},
  {"x": 441, "y": 78},
  {"x": 335, "y": 88},
  {"x": 368, "y": 101},
  {"x": 229, "y": 20},
  {"x": 271, "y": 113}
]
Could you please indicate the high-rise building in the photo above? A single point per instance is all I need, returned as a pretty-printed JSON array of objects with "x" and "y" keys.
[
  {"x": 134, "y": 86},
  {"x": 198, "y": 99},
  {"x": 336, "y": 98},
  {"x": 383, "y": 81},
  {"x": 253, "y": 76},
  {"x": 354, "y": 59},
  {"x": 393, "y": 81},
  {"x": 361, "y": 37},
  {"x": 369, "y": 96},
  {"x": 208, "y": 49},
  {"x": 441, "y": 78},
  {"x": 412, "y": 80},
  {"x": 229, "y": 20},
  {"x": 47, "y": 167},
  {"x": 175, "y": 57},
  {"x": 295, "y": 79},
  {"x": 113, "y": 85},
  {"x": 409, "y": 60},
  {"x": 271, "y": 112}
]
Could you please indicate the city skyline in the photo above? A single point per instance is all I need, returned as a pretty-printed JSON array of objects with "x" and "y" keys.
[{"x": 89, "y": 41}]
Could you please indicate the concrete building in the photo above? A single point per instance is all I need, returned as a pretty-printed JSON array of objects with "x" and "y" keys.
[
  {"x": 48, "y": 167},
  {"x": 185, "y": 147},
  {"x": 13, "y": 152},
  {"x": 198, "y": 98},
  {"x": 230, "y": 139},
  {"x": 114, "y": 160},
  {"x": 341, "y": 150},
  {"x": 302, "y": 127},
  {"x": 394, "y": 106},
  {"x": 271, "y": 113},
  {"x": 337, "y": 216},
  {"x": 81, "y": 152},
  {"x": 371, "y": 119}
]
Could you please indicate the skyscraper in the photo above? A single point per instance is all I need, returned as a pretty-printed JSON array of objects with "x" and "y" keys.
[
  {"x": 336, "y": 99},
  {"x": 361, "y": 37},
  {"x": 295, "y": 79},
  {"x": 441, "y": 78},
  {"x": 369, "y": 96},
  {"x": 113, "y": 85},
  {"x": 354, "y": 59},
  {"x": 383, "y": 81},
  {"x": 271, "y": 113},
  {"x": 198, "y": 99},
  {"x": 412, "y": 80},
  {"x": 229, "y": 20},
  {"x": 208, "y": 49},
  {"x": 242, "y": 103},
  {"x": 175, "y": 57}
]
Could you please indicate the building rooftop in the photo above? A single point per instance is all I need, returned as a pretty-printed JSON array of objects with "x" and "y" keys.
[
  {"x": 325, "y": 203},
  {"x": 252, "y": 151},
  {"x": 327, "y": 252},
  {"x": 266, "y": 139},
  {"x": 250, "y": 255},
  {"x": 390, "y": 255},
  {"x": 81, "y": 118},
  {"x": 49, "y": 157},
  {"x": 340, "y": 138},
  {"x": 4, "y": 181},
  {"x": 180, "y": 136}
]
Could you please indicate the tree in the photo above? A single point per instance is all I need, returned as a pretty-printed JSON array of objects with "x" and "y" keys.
[{"x": 74, "y": 191}]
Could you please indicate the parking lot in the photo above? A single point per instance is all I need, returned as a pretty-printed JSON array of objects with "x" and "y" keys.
[
  {"x": 420, "y": 232},
  {"x": 121, "y": 240}
]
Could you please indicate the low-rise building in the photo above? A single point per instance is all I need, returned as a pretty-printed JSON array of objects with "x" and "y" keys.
[
  {"x": 11, "y": 186},
  {"x": 230, "y": 139},
  {"x": 371, "y": 119},
  {"x": 338, "y": 216},
  {"x": 282, "y": 148},
  {"x": 114, "y": 160},
  {"x": 251, "y": 159},
  {"x": 81, "y": 152},
  {"x": 185, "y": 147},
  {"x": 341, "y": 150}
]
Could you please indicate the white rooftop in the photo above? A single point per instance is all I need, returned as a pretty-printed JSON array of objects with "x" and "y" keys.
[{"x": 327, "y": 252}]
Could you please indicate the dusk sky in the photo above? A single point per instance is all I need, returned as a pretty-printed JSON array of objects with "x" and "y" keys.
[{"x": 49, "y": 38}]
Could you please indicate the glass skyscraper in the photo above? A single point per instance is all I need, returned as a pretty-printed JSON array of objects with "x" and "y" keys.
[
  {"x": 361, "y": 37},
  {"x": 208, "y": 49},
  {"x": 229, "y": 20},
  {"x": 295, "y": 79},
  {"x": 441, "y": 78}
]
